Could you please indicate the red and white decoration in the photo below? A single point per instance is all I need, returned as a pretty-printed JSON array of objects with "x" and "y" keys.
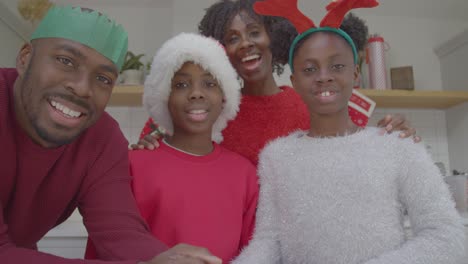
[
  {"x": 360, "y": 108},
  {"x": 376, "y": 59}
]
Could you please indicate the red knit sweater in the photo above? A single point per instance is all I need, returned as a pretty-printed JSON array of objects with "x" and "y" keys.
[
  {"x": 40, "y": 188},
  {"x": 206, "y": 201}
]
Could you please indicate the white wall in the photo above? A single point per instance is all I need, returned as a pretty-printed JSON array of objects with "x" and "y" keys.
[
  {"x": 188, "y": 13},
  {"x": 10, "y": 46},
  {"x": 457, "y": 134},
  {"x": 11, "y": 6},
  {"x": 453, "y": 55},
  {"x": 13, "y": 33}
]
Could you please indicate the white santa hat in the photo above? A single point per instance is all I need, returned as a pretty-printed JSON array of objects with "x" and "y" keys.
[{"x": 203, "y": 51}]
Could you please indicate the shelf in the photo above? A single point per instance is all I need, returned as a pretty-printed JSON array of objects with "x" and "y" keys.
[
  {"x": 126, "y": 95},
  {"x": 131, "y": 96},
  {"x": 416, "y": 99}
]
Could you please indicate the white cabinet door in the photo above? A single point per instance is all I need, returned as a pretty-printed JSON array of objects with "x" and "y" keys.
[
  {"x": 466, "y": 245},
  {"x": 67, "y": 247}
]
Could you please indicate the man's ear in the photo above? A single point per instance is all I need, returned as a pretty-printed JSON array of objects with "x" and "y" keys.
[{"x": 24, "y": 58}]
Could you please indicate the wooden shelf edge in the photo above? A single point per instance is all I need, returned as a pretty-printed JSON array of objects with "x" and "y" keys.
[
  {"x": 441, "y": 99},
  {"x": 131, "y": 95},
  {"x": 126, "y": 95}
]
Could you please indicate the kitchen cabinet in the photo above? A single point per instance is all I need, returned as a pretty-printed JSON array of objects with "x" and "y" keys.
[
  {"x": 466, "y": 244},
  {"x": 66, "y": 240},
  {"x": 132, "y": 96}
]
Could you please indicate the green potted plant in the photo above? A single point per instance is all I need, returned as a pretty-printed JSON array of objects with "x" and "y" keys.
[
  {"x": 132, "y": 72},
  {"x": 147, "y": 69}
]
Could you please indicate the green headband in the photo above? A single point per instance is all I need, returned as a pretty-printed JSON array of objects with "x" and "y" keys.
[
  {"x": 92, "y": 29},
  {"x": 321, "y": 29}
]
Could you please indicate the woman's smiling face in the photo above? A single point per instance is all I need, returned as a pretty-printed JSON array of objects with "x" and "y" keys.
[{"x": 248, "y": 46}]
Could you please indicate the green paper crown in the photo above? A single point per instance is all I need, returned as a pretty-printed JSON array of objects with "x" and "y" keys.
[{"x": 89, "y": 28}]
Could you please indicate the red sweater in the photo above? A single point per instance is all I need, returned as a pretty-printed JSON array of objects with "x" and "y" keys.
[
  {"x": 261, "y": 119},
  {"x": 40, "y": 188},
  {"x": 265, "y": 118},
  {"x": 207, "y": 201}
]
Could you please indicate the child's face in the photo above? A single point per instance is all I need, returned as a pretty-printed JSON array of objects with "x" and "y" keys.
[
  {"x": 324, "y": 73},
  {"x": 195, "y": 101}
]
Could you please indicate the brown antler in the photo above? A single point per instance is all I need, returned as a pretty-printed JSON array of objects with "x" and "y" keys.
[
  {"x": 287, "y": 9},
  {"x": 338, "y": 9}
]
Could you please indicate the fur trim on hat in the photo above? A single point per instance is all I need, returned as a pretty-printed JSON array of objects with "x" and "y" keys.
[{"x": 207, "y": 53}]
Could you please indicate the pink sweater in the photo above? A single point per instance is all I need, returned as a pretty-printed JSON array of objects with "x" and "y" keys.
[
  {"x": 40, "y": 188},
  {"x": 206, "y": 201}
]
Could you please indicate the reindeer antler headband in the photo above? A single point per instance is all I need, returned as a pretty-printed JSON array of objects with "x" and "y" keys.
[{"x": 305, "y": 26}]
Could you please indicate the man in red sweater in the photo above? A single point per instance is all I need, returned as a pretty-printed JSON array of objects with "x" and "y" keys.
[{"x": 61, "y": 151}]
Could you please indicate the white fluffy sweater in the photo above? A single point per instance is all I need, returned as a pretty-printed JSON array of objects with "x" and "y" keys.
[{"x": 341, "y": 200}]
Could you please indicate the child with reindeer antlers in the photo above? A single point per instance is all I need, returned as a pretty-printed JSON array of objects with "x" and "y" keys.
[{"x": 337, "y": 192}]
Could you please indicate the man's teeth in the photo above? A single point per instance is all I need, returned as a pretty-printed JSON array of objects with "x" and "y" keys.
[
  {"x": 197, "y": 112},
  {"x": 251, "y": 57},
  {"x": 67, "y": 111},
  {"x": 326, "y": 93}
]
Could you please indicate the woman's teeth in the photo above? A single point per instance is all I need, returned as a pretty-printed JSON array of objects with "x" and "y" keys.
[
  {"x": 326, "y": 94},
  {"x": 67, "y": 111},
  {"x": 251, "y": 57}
]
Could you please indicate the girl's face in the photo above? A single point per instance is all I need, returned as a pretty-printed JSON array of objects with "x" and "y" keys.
[
  {"x": 324, "y": 73},
  {"x": 196, "y": 100},
  {"x": 248, "y": 47}
]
